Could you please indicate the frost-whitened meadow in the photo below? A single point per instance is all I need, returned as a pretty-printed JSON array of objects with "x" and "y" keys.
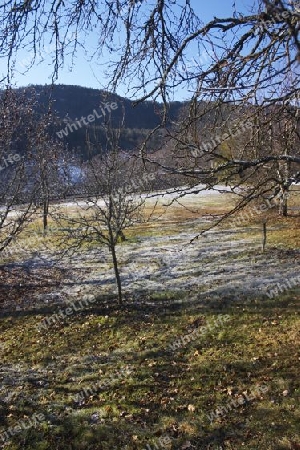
[
  {"x": 226, "y": 260},
  {"x": 104, "y": 376}
]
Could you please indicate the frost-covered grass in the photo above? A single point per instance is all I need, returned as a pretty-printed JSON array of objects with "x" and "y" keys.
[
  {"x": 171, "y": 288},
  {"x": 165, "y": 392}
]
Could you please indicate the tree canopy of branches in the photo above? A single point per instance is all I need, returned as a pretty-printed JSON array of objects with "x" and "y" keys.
[
  {"x": 17, "y": 188},
  {"x": 248, "y": 62},
  {"x": 112, "y": 204},
  {"x": 32, "y": 166}
]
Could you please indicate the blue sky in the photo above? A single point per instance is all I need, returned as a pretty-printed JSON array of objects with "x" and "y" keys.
[{"x": 88, "y": 73}]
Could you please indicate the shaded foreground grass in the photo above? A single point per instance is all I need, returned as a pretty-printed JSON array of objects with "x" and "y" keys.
[{"x": 164, "y": 392}]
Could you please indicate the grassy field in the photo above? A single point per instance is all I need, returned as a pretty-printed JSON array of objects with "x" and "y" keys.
[{"x": 168, "y": 370}]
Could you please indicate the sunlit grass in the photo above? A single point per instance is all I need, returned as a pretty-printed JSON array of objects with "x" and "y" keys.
[{"x": 165, "y": 392}]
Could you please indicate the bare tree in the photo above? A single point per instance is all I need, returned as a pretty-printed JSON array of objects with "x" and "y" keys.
[
  {"x": 17, "y": 189},
  {"x": 33, "y": 168},
  {"x": 50, "y": 166},
  {"x": 112, "y": 203}
]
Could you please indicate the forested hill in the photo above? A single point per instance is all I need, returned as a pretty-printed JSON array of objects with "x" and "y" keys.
[
  {"x": 74, "y": 102},
  {"x": 78, "y": 101}
]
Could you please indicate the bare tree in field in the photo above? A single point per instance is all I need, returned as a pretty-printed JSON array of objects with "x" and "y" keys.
[
  {"x": 237, "y": 70},
  {"x": 17, "y": 188},
  {"x": 49, "y": 163},
  {"x": 278, "y": 133},
  {"x": 32, "y": 166},
  {"x": 112, "y": 203}
]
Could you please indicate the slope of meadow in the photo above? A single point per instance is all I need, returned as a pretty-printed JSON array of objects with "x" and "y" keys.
[{"x": 204, "y": 354}]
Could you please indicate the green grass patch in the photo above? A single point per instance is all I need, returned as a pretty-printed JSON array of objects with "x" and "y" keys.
[{"x": 163, "y": 392}]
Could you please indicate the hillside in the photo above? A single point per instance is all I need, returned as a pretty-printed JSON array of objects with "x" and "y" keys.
[{"x": 71, "y": 103}]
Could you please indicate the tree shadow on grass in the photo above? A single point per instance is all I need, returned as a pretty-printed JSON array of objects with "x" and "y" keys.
[{"x": 165, "y": 383}]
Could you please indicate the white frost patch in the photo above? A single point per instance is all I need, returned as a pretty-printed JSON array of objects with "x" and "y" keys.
[{"x": 213, "y": 265}]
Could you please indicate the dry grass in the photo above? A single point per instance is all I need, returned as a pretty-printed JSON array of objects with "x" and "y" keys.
[{"x": 166, "y": 392}]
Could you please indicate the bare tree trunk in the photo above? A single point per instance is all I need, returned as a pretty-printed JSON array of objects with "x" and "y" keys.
[
  {"x": 283, "y": 205},
  {"x": 284, "y": 188},
  {"x": 45, "y": 214},
  {"x": 264, "y": 239},
  {"x": 117, "y": 274}
]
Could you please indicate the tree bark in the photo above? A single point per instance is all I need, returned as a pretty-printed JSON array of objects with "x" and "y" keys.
[
  {"x": 264, "y": 239},
  {"x": 45, "y": 214},
  {"x": 117, "y": 274},
  {"x": 283, "y": 206}
]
